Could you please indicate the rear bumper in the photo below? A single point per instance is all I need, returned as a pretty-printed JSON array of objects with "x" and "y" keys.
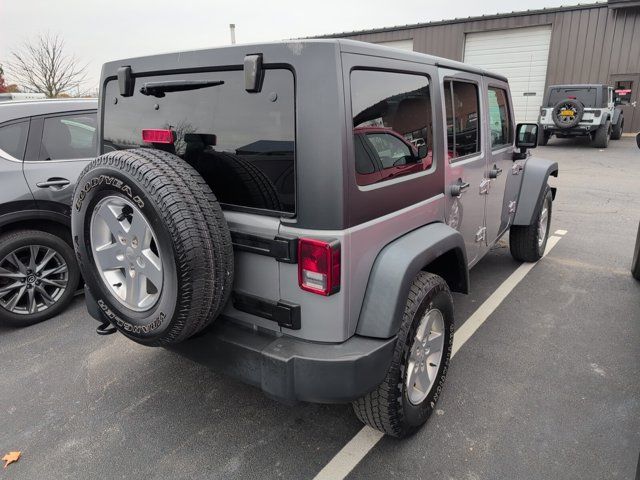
[
  {"x": 576, "y": 131},
  {"x": 287, "y": 368}
]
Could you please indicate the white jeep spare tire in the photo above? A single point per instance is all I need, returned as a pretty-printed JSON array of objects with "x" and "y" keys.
[{"x": 152, "y": 244}]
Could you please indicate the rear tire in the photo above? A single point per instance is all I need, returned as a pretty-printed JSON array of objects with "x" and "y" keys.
[
  {"x": 543, "y": 137},
  {"x": 394, "y": 408},
  {"x": 616, "y": 130},
  {"x": 527, "y": 243},
  {"x": 602, "y": 136},
  {"x": 179, "y": 268},
  {"x": 51, "y": 271}
]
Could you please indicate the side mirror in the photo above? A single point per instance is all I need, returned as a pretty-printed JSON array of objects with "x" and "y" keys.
[
  {"x": 638, "y": 140},
  {"x": 423, "y": 151},
  {"x": 526, "y": 136}
]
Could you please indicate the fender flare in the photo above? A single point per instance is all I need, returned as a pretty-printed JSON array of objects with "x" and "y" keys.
[
  {"x": 534, "y": 179},
  {"x": 395, "y": 268}
]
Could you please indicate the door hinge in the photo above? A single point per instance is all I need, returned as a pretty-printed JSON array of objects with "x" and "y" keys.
[
  {"x": 517, "y": 168},
  {"x": 481, "y": 234},
  {"x": 512, "y": 206},
  {"x": 485, "y": 185}
]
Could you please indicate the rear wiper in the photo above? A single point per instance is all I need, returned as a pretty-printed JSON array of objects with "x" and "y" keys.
[{"x": 158, "y": 89}]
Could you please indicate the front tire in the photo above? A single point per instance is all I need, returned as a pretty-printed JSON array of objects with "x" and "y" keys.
[
  {"x": 38, "y": 277},
  {"x": 527, "y": 243},
  {"x": 407, "y": 396}
]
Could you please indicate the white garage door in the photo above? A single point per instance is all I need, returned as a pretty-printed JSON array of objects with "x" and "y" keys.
[
  {"x": 401, "y": 44},
  {"x": 520, "y": 54}
]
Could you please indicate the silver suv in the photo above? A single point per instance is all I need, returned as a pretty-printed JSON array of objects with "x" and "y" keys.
[
  {"x": 580, "y": 110},
  {"x": 296, "y": 214}
]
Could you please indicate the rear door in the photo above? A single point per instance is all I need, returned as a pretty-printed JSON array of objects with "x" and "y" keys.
[
  {"x": 499, "y": 132},
  {"x": 465, "y": 171},
  {"x": 59, "y": 148},
  {"x": 14, "y": 194}
]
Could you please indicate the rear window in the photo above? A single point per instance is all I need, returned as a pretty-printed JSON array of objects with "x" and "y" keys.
[
  {"x": 587, "y": 96},
  {"x": 243, "y": 144}
]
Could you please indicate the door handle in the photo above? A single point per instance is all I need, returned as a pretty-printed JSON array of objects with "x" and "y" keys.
[
  {"x": 494, "y": 172},
  {"x": 458, "y": 189},
  {"x": 53, "y": 182}
]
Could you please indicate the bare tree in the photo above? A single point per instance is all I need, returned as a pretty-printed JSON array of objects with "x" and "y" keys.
[{"x": 43, "y": 66}]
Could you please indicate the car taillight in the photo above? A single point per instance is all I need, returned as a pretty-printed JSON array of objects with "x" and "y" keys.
[
  {"x": 319, "y": 266},
  {"x": 152, "y": 135}
]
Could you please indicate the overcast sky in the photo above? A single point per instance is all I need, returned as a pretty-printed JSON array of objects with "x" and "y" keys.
[{"x": 98, "y": 31}]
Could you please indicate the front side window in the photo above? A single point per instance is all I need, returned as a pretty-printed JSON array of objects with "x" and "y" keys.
[
  {"x": 68, "y": 137},
  {"x": 499, "y": 119},
  {"x": 392, "y": 124},
  {"x": 13, "y": 139},
  {"x": 462, "y": 110},
  {"x": 243, "y": 144}
]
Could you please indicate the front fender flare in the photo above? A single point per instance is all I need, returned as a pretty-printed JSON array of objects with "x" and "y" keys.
[
  {"x": 534, "y": 179},
  {"x": 395, "y": 268}
]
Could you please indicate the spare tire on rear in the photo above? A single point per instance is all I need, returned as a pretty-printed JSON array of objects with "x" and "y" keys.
[
  {"x": 152, "y": 244},
  {"x": 567, "y": 113}
]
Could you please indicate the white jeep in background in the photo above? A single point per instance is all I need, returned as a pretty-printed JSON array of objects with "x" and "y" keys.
[{"x": 580, "y": 110}]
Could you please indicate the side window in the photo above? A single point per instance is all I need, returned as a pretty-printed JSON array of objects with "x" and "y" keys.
[
  {"x": 391, "y": 150},
  {"x": 392, "y": 121},
  {"x": 68, "y": 137},
  {"x": 499, "y": 119},
  {"x": 13, "y": 138},
  {"x": 462, "y": 109}
]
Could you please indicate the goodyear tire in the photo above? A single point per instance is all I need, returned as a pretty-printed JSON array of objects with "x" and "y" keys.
[
  {"x": 152, "y": 244},
  {"x": 406, "y": 398}
]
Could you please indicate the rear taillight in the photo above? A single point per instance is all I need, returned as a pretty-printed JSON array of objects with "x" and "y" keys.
[
  {"x": 319, "y": 266},
  {"x": 152, "y": 135}
]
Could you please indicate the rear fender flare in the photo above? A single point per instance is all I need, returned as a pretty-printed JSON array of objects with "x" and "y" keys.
[
  {"x": 535, "y": 177},
  {"x": 617, "y": 113},
  {"x": 395, "y": 268}
]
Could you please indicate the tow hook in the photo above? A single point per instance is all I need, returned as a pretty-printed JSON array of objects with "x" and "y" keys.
[{"x": 106, "y": 328}]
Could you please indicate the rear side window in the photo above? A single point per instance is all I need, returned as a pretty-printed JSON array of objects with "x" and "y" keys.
[
  {"x": 499, "y": 118},
  {"x": 391, "y": 122},
  {"x": 13, "y": 138},
  {"x": 242, "y": 143},
  {"x": 68, "y": 137},
  {"x": 462, "y": 109}
]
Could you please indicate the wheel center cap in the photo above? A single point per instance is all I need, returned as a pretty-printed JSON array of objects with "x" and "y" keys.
[
  {"x": 131, "y": 255},
  {"x": 31, "y": 278}
]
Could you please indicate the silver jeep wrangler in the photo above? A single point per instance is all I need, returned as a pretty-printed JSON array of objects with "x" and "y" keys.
[
  {"x": 296, "y": 214},
  {"x": 580, "y": 110}
]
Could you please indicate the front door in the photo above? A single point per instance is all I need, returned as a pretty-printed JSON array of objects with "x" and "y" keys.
[
  {"x": 626, "y": 94},
  {"x": 465, "y": 172},
  {"x": 499, "y": 132}
]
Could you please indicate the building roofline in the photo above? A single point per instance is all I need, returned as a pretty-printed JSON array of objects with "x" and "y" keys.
[{"x": 586, "y": 6}]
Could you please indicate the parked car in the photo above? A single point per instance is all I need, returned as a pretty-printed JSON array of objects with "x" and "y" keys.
[
  {"x": 341, "y": 291},
  {"x": 635, "y": 264},
  {"x": 44, "y": 145},
  {"x": 580, "y": 110}
]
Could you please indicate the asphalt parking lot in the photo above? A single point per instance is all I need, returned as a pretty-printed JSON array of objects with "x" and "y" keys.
[{"x": 547, "y": 387}]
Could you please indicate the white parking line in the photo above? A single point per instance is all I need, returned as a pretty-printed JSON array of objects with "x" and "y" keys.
[{"x": 353, "y": 452}]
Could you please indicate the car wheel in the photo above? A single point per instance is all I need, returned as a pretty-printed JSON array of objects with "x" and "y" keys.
[
  {"x": 602, "y": 136},
  {"x": 527, "y": 243},
  {"x": 408, "y": 394},
  {"x": 153, "y": 245},
  {"x": 38, "y": 276},
  {"x": 616, "y": 130},
  {"x": 543, "y": 138}
]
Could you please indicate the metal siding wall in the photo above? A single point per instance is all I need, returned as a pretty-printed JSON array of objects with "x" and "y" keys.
[{"x": 587, "y": 44}]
